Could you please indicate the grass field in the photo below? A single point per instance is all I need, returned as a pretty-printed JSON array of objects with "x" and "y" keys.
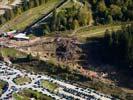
[
  {"x": 2, "y": 84},
  {"x": 26, "y": 18},
  {"x": 20, "y": 97},
  {"x": 26, "y": 94},
  {"x": 11, "y": 52},
  {"x": 97, "y": 31},
  {"x": 22, "y": 80},
  {"x": 49, "y": 85}
]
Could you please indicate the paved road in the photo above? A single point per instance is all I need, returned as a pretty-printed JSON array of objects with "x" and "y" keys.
[{"x": 66, "y": 90}]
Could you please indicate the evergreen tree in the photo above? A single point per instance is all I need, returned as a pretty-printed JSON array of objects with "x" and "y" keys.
[
  {"x": 75, "y": 24},
  {"x": 109, "y": 19},
  {"x": 29, "y": 57}
]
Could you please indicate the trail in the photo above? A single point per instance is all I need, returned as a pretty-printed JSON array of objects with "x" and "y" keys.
[{"x": 96, "y": 32}]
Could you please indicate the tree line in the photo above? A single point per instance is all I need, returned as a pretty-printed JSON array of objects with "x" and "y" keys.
[
  {"x": 107, "y": 11},
  {"x": 100, "y": 11},
  {"x": 69, "y": 18},
  {"x": 118, "y": 46}
]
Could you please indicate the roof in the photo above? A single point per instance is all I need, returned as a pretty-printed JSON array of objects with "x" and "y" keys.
[{"x": 21, "y": 36}]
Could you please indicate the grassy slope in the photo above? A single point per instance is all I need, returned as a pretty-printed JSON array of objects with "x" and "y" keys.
[
  {"x": 26, "y": 93},
  {"x": 11, "y": 52},
  {"x": 97, "y": 31},
  {"x": 94, "y": 31},
  {"x": 65, "y": 75},
  {"x": 26, "y": 18}
]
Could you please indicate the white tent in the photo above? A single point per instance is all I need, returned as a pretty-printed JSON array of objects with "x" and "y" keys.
[{"x": 21, "y": 36}]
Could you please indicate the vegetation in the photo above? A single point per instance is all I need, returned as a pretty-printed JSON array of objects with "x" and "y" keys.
[
  {"x": 22, "y": 80},
  {"x": 115, "y": 49},
  {"x": 29, "y": 57},
  {"x": 82, "y": 13},
  {"x": 107, "y": 11},
  {"x": 26, "y": 17},
  {"x": 96, "y": 31},
  {"x": 68, "y": 18},
  {"x": 11, "y": 13},
  {"x": 20, "y": 97},
  {"x": 3, "y": 84},
  {"x": 118, "y": 46},
  {"x": 60, "y": 72},
  {"x": 49, "y": 68},
  {"x": 108, "y": 89},
  {"x": 27, "y": 94},
  {"x": 11, "y": 52},
  {"x": 49, "y": 85}
]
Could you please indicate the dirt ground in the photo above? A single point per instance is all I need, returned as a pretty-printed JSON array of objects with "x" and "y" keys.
[{"x": 46, "y": 49}]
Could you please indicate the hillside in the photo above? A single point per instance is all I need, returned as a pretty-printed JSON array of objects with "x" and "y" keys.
[
  {"x": 87, "y": 43},
  {"x": 107, "y": 11},
  {"x": 85, "y": 13},
  {"x": 19, "y": 11}
]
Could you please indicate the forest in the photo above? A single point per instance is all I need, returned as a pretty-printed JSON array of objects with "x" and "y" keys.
[
  {"x": 118, "y": 46},
  {"x": 71, "y": 18},
  {"x": 92, "y": 12},
  {"x": 107, "y": 11}
]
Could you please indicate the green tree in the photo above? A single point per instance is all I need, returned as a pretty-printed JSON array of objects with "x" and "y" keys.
[
  {"x": 84, "y": 16},
  {"x": 116, "y": 12},
  {"x": 75, "y": 24},
  {"x": 29, "y": 57},
  {"x": 107, "y": 38},
  {"x": 109, "y": 19},
  {"x": 54, "y": 20},
  {"x": 101, "y": 6}
]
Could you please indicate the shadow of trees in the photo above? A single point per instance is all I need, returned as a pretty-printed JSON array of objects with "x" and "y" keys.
[{"x": 102, "y": 60}]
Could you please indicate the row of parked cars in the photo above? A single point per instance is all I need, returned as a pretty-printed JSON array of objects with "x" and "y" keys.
[{"x": 79, "y": 94}]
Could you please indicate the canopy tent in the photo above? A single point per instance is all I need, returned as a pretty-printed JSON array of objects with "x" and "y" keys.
[{"x": 21, "y": 36}]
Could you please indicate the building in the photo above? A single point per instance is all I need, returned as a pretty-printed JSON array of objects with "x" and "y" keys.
[{"x": 21, "y": 36}]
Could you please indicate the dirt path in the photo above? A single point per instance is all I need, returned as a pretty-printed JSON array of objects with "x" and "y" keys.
[
  {"x": 84, "y": 31},
  {"x": 101, "y": 32}
]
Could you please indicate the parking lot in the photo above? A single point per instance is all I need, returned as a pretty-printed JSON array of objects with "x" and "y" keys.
[{"x": 65, "y": 91}]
